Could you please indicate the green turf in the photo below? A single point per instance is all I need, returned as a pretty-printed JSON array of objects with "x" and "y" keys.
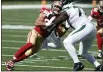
[
  {"x": 19, "y": 17},
  {"x": 48, "y": 60}
]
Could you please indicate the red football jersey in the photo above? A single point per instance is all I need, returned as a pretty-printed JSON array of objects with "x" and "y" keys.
[
  {"x": 42, "y": 30},
  {"x": 44, "y": 8},
  {"x": 47, "y": 12},
  {"x": 98, "y": 16}
]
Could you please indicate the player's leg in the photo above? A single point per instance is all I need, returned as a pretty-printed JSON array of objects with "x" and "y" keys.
[
  {"x": 37, "y": 44},
  {"x": 69, "y": 46},
  {"x": 19, "y": 53},
  {"x": 43, "y": 46},
  {"x": 25, "y": 50},
  {"x": 74, "y": 37},
  {"x": 99, "y": 41},
  {"x": 31, "y": 38},
  {"x": 87, "y": 45},
  {"x": 80, "y": 49}
]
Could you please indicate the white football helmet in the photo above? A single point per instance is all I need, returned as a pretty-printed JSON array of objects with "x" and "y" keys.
[
  {"x": 100, "y": 6},
  {"x": 56, "y": 7}
]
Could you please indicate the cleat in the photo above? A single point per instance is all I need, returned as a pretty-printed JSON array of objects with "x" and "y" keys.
[
  {"x": 99, "y": 68},
  {"x": 9, "y": 65},
  {"x": 78, "y": 66}
]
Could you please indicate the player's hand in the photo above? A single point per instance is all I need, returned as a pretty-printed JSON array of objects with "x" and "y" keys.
[
  {"x": 46, "y": 13},
  {"x": 49, "y": 22}
]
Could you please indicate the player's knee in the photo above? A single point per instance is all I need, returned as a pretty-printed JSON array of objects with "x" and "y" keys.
[
  {"x": 28, "y": 52},
  {"x": 67, "y": 41},
  {"x": 31, "y": 42},
  {"x": 84, "y": 54}
]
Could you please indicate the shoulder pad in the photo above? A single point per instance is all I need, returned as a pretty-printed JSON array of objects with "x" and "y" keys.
[
  {"x": 95, "y": 9},
  {"x": 43, "y": 9}
]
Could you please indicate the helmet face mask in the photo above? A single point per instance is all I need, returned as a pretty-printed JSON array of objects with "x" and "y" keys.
[
  {"x": 100, "y": 6},
  {"x": 56, "y": 7}
]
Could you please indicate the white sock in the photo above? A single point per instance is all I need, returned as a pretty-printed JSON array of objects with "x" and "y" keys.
[
  {"x": 71, "y": 50},
  {"x": 14, "y": 58},
  {"x": 99, "y": 50},
  {"x": 96, "y": 64}
]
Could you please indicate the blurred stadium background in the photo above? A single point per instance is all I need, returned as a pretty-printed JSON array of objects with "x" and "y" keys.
[{"x": 18, "y": 17}]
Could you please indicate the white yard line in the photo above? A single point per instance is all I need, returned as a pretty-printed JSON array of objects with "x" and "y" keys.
[
  {"x": 36, "y": 60},
  {"x": 16, "y": 27},
  {"x": 36, "y": 6},
  {"x": 40, "y": 66},
  {"x": 46, "y": 49},
  {"x": 13, "y": 41},
  {"x": 35, "y": 66},
  {"x": 3, "y": 63},
  {"x": 54, "y": 59},
  {"x": 93, "y": 52},
  {"x": 23, "y": 41}
]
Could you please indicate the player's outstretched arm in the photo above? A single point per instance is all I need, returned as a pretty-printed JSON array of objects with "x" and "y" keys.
[
  {"x": 61, "y": 18},
  {"x": 57, "y": 21}
]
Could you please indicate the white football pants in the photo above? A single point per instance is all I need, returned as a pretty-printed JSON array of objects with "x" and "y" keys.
[{"x": 84, "y": 34}]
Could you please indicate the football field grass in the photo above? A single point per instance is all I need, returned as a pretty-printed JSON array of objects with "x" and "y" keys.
[{"x": 47, "y": 60}]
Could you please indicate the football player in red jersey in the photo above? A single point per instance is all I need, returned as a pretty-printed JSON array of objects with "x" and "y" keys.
[
  {"x": 37, "y": 35},
  {"x": 97, "y": 13}
]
